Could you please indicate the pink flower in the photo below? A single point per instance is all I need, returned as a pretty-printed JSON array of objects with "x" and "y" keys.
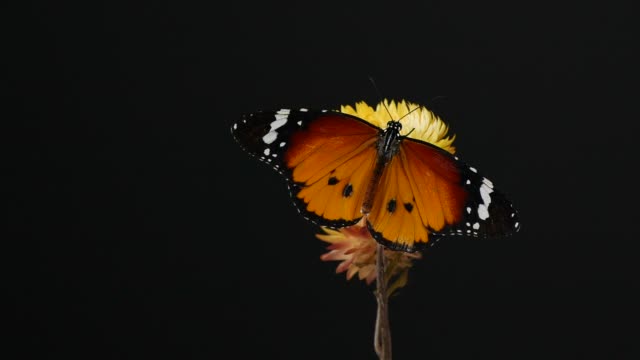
[{"x": 355, "y": 248}]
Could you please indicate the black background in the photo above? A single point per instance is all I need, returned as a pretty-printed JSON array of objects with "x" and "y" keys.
[{"x": 139, "y": 229}]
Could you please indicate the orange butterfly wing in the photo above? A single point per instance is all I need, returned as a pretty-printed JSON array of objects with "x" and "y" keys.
[
  {"x": 331, "y": 161},
  {"x": 419, "y": 192}
]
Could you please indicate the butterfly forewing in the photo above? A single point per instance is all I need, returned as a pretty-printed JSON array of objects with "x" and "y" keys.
[
  {"x": 266, "y": 134},
  {"x": 327, "y": 158}
]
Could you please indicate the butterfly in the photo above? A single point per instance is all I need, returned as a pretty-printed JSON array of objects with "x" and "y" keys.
[{"x": 341, "y": 169}]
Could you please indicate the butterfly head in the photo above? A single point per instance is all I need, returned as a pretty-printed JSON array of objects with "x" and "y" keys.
[
  {"x": 389, "y": 141},
  {"x": 394, "y": 125}
]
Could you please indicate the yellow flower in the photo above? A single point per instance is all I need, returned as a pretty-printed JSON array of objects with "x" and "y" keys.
[{"x": 420, "y": 123}]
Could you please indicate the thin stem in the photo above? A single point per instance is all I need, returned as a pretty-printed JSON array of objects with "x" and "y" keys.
[{"x": 382, "y": 336}]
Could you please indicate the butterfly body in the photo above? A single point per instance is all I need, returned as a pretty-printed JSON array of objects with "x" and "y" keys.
[
  {"x": 340, "y": 169},
  {"x": 387, "y": 147}
]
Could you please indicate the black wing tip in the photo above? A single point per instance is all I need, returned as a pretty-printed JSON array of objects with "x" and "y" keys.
[{"x": 506, "y": 217}]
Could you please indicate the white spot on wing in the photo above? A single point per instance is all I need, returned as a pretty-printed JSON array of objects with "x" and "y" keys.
[
  {"x": 282, "y": 144},
  {"x": 468, "y": 210},
  {"x": 485, "y": 190},
  {"x": 468, "y": 181},
  {"x": 476, "y": 225},
  {"x": 304, "y": 110},
  {"x": 235, "y": 126},
  {"x": 483, "y": 209},
  {"x": 488, "y": 182},
  {"x": 270, "y": 137},
  {"x": 483, "y": 212},
  {"x": 278, "y": 122},
  {"x": 299, "y": 123},
  {"x": 267, "y": 151},
  {"x": 281, "y": 119},
  {"x": 473, "y": 169}
]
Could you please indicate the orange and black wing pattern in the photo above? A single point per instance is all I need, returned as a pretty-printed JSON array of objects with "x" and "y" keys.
[
  {"x": 327, "y": 158},
  {"x": 340, "y": 168}
]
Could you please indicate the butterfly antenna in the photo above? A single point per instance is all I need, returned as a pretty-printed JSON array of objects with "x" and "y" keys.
[
  {"x": 380, "y": 96},
  {"x": 410, "y": 111},
  {"x": 407, "y": 114}
]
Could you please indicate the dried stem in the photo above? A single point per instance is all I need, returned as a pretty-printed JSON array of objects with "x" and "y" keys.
[{"x": 382, "y": 336}]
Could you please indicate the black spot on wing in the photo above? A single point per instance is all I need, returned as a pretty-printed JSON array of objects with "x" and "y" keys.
[
  {"x": 332, "y": 180},
  {"x": 294, "y": 189},
  {"x": 408, "y": 206},
  {"x": 348, "y": 190},
  {"x": 391, "y": 206}
]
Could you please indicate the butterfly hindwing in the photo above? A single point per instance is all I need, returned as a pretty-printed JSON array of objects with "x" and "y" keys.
[
  {"x": 395, "y": 217},
  {"x": 419, "y": 193}
]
